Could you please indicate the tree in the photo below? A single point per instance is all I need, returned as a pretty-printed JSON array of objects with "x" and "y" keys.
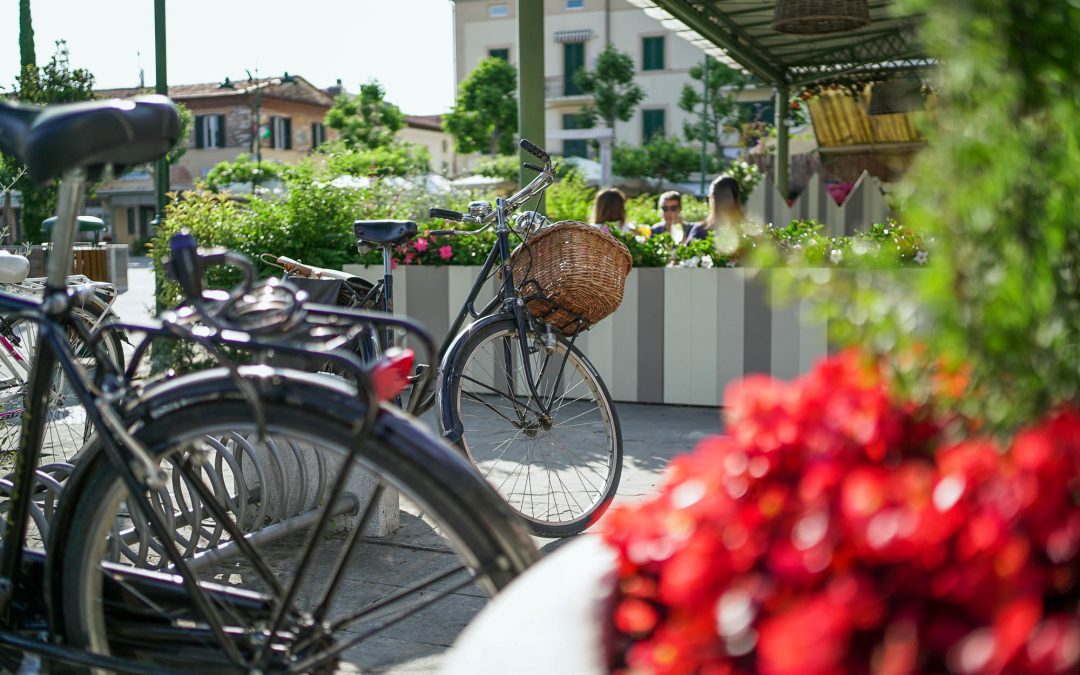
[
  {"x": 662, "y": 159},
  {"x": 366, "y": 120},
  {"x": 715, "y": 96},
  {"x": 55, "y": 82},
  {"x": 612, "y": 87},
  {"x": 485, "y": 116},
  {"x": 27, "y": 58}
]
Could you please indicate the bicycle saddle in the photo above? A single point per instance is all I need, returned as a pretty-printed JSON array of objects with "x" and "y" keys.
[
  {"x": 53, "y": 139},
  {"x": 13, "y": 268},
  {"x": 384, "y": 232}
]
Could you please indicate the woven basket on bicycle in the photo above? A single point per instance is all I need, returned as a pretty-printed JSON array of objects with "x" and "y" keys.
[{"x": 571, "y": 275}]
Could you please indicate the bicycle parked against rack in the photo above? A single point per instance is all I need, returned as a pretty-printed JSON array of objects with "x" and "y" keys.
[
  {"x": 513, "y": 392},
  {"x": 67, "y": 427},
  {"x": 162, "y": 553}
]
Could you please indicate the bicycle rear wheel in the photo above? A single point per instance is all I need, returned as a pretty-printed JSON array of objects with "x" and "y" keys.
[
  {"x": 456, "y": 543},
  {"x": 557, "y": 459}
]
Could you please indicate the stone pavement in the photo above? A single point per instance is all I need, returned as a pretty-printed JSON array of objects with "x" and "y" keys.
[{"x": 652, "y": 435}]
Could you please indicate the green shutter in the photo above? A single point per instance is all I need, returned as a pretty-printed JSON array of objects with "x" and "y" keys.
[
  {"x": 200, "y": 123},
  {"x": 503, "y": 54},
  {"x": 652, "y": 53},
  {"x": 573, "y": 61},
  {"x": 220, "y": 131},
  {"x": 288, "y": 133},
  {"x": 270, "y": 140},
  {"x": 652, "y": 123},
  {"x": 573, "y": 148}
]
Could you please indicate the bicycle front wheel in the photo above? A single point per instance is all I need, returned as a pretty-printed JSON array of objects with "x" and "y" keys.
[
  {"x": 454, "y": 543},
  {"x": 553, "y": 450},
  {"x": 66, "y": 425}
]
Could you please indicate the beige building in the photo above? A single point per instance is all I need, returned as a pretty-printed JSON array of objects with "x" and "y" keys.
[
  {"x": 426, "y": 130},
  {"x": 290, "y": 111},
  {"x": 575, "y": 32}
]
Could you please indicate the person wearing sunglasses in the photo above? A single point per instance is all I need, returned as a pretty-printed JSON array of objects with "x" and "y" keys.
[{"x": 671, "y": 217}]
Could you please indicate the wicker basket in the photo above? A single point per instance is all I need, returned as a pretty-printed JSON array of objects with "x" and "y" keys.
[
  {"x": 814, "y": 17},
  {"x": 571, "y": 275}
]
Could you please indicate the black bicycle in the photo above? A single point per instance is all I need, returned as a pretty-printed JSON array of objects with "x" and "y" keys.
[
  {"x": 513, "y": 393},
  {"x": 249, "y": 517}
]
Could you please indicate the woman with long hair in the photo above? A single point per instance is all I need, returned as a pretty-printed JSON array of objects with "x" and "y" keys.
[
  {"x": 609, "y": 208},
  {"x": 725, "y": 208}
]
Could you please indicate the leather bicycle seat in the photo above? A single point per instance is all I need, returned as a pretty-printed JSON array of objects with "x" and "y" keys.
[
  {"x": 383, "y": 232},
  {"x": 53, "y": 139}
]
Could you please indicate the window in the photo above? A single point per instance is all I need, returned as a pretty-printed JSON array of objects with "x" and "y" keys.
[
  {"x": 573, "y": 148},
  {"x": 574, "y": 4},
  {"x": 652, "y": 123},
  {"x": 573, "y": 61},
  {"x": 503, "y": 54},
  {"x": 498, "y": 11},
  {"x": 146, "y": 214},
  {"x": 280, "y": 132},
  {"x": 131, "y": 220},
  {"x": 209, "y": 131},
  {"x": 652, "y": 53},
  {"x": 318, "y": 134}
]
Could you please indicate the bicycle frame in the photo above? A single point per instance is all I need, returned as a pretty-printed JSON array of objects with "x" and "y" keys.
[{"x": 506, "y": 304}]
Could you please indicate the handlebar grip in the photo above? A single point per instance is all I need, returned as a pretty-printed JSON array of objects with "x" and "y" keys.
[
  {"x": 446, "y": 214},
  {"x": 536, "y": 152},
  {"x": 184, "y": 265},
  {"x": 441, "y": 233},
  {"x": 533, "y": 167}
]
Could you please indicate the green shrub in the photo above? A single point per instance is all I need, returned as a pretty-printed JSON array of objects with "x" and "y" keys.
[
  {"x": 569, "y": 198},
  {"x": 506, "y": 167}
]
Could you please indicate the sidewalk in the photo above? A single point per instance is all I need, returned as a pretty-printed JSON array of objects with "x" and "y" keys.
[{"x": 652, "y": 435}]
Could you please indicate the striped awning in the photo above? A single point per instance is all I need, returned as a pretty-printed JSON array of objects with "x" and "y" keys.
[{"x": 583, "y": 35}]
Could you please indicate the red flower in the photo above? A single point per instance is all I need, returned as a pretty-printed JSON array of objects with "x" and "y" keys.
[
  {"x": 832, "y": 530},
  {"x": 445, "y": 252},
  {"x": 421, "y": 244}
]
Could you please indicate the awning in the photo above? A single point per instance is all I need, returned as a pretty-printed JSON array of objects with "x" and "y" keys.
[{"x": 583, "y": 35}]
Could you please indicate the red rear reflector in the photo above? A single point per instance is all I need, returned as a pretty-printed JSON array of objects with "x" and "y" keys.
[{"x": 391, "y": 374}]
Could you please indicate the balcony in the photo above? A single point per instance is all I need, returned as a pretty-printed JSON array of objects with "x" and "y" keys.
[{"x": 556, "y": 87}]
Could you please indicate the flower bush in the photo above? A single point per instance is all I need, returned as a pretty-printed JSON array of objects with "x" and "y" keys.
[{"x": 837, "y": 529}]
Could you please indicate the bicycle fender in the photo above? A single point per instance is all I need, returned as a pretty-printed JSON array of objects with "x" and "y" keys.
[{"x": 450, "y": 427}]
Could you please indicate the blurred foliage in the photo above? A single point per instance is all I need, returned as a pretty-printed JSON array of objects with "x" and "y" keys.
[
  {"x": 367, "y": 120},
  {"x": 995, "y": 190},
  {"x": 243, "y": 169},
  {"x": 711, "y": 103},
  {"x": 485, "y": 115},
  {"x": 505, "y": 167},
  {"x": 663, "y": 159},
  {"x": 612, "y": 87}
]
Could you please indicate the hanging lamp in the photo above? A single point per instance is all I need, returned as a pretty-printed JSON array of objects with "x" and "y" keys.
[{"x": 814, "y": 17}]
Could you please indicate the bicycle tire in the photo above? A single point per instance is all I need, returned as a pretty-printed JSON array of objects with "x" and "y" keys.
[
  {"x": 401, "y": 452},
  {"x": 495, "y": 421},
  {"x": 67, "y": 427}
]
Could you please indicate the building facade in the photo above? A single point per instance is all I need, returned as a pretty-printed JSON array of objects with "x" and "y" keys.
[{"x": 575, "y": 32}]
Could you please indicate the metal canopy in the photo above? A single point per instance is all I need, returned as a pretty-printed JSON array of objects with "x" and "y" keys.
[{"x": 740, "y": 33}]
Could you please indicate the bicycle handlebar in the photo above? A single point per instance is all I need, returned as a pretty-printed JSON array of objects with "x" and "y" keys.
[
  {"x": 544, "y": 179},
  {"x": 294, "y": 266}
]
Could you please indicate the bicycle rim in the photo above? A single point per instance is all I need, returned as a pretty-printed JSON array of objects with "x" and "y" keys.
[
  {"x": 67, "y": 427},
  {"x": 431, "y": 565},
  {"x": 559, "y": 470}
]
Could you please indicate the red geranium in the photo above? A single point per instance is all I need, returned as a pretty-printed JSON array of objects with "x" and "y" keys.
[{"x": 834, "y": 530}]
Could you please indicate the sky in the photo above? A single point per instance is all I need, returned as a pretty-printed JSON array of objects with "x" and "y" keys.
[{"x": 405, "y": 44}]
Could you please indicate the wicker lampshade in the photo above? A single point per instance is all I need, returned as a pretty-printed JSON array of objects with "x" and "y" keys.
[{"x": 812, "y": 17}]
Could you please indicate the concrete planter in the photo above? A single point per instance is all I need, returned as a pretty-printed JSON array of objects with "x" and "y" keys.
[{"x": 681, "y": 335}]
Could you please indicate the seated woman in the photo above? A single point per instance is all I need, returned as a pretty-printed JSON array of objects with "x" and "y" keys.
[
  {"x": 609, "y": 208},
  {"x": 671, "y": 217},
  {"x": 725, "y": 208}
]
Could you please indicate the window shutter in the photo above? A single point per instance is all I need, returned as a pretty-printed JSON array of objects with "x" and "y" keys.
[
  {"x": 200, "y": 122},
  {"x": 272, "y": 140},
  {"x": 220, "y": 140},
  {"x": 287, "y": 123}
]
